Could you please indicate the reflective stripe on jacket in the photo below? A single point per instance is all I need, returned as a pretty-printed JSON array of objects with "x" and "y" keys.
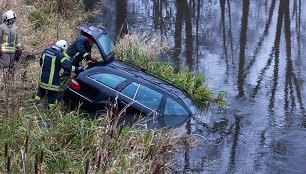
[
  {"x": 51, "y": 63},
  {"x": 9, "y": 38}
]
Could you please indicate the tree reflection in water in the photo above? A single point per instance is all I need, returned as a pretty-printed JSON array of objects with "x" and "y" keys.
[
  {"x": 243, "y": 42},
  {"x": 253, "y": 49},
  {"x": 121, "y": 17}
]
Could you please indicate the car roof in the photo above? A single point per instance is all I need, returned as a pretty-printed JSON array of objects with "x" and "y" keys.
[{"x": 142, "y": 76}]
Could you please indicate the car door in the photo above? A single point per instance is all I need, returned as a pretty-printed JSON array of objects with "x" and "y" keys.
[
  {"x": 142, "y": 100},
  {"x": 126, "y": 99},
  {"x": 107, "y": 83}
]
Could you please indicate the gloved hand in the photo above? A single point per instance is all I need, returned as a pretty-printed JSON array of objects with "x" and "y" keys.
[
  {"x": 19, "y": 52},
  {"x": 93, "y": 60},
  {"x": 79, "y": 69}
]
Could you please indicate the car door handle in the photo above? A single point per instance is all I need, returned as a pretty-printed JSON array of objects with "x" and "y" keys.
[{"x": 123, "y": 102}]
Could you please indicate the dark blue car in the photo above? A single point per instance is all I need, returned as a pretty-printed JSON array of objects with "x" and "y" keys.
[{"x": 131, "y": 89}]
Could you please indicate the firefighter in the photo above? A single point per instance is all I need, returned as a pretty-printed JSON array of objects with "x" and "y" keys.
[
  {"x": 9, "y": 40},
  {"x": 79, "y": 50},
  {"x": 51, "y": 62}
]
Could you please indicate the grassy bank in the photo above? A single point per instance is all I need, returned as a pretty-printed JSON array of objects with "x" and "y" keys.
[{"x": 34, "y": 140}]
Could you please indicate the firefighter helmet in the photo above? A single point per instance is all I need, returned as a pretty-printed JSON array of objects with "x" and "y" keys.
[
  {"x": 10, "y": 15},
  {"x": 62, "y": 44}
]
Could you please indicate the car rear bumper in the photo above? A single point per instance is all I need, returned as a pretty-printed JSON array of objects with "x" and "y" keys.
[{"x": 75, "y": 99}]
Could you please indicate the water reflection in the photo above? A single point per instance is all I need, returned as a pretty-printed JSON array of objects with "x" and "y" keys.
[
  {"x": 225, "y": 4},
  {"x": 243, "y": 42},
  {"x": 298, "y": 26},
  {"x": 224, "y": 31},
  {"x": 283, "y": 19},
  {"x": 159, "y": 21},
  {"x": 183, "y": 18},
  {"x": 253, "y": 50},
  {"x": 121, "y": 16},
  {"x": 197, "y": 18},
  {"x": 178, "y": 35},
  {"x": 275, "y": 51},
  {"x": 233, "y": 152},
  {"x": 188, "y": 30},
  {"x": 258, "y": 49},
  {"x": 262, "y": 38},
  {"x": 222, "y": 6}
]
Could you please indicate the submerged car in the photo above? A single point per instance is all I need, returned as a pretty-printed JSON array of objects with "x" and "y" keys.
[{"x": 133, "y": 89}]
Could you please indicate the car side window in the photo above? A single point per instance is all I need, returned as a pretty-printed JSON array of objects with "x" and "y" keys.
[
  {"x": 174, "y": 108},
  {"x": 110, "y": 80},
  {"x": 148, "y": 97},
  {"x": 130, "y": 90}
]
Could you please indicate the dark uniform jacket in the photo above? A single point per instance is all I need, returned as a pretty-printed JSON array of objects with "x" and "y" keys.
[
  {"x": 51, "y": 63},
  {"x": 79, "y": 50}
]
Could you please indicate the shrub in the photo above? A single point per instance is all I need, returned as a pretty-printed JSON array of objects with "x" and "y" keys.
[{"x": 37, "y": 19}]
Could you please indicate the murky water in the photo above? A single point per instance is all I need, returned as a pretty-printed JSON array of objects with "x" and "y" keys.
[{"x": 254, "y": 50}]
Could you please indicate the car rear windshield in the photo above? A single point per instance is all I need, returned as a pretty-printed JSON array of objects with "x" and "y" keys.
[
  {"x": 106, "y": 44},
  {"x": 110, "y": 80}
]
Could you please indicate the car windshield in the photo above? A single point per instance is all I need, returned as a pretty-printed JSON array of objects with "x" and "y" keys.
[
  {"x": 107, "y": 44},
  {"x": 174, "y": 108},
  {"x": 190, "y": 104}
]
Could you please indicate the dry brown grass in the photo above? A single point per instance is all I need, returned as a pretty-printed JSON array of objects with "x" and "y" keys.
[
  {"x": 144, "y": 45},
  {"x": 72, "y": 144},
  {"x": 57, "y": 25},
  {"x": 18, "y": 87}
]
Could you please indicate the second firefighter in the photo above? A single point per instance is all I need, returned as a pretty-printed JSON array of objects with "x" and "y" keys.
[{"x": 51, "y": 62}]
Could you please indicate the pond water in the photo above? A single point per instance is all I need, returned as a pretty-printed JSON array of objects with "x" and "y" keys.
[{"x": 253, "y": 50}]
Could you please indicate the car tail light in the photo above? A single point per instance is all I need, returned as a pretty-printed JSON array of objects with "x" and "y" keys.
[{"x": 75, "y": 85}]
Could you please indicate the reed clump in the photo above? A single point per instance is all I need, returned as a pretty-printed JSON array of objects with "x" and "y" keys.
[
  {"x": 142, "y": 50},
  {"x": 63, "y": 142}
]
